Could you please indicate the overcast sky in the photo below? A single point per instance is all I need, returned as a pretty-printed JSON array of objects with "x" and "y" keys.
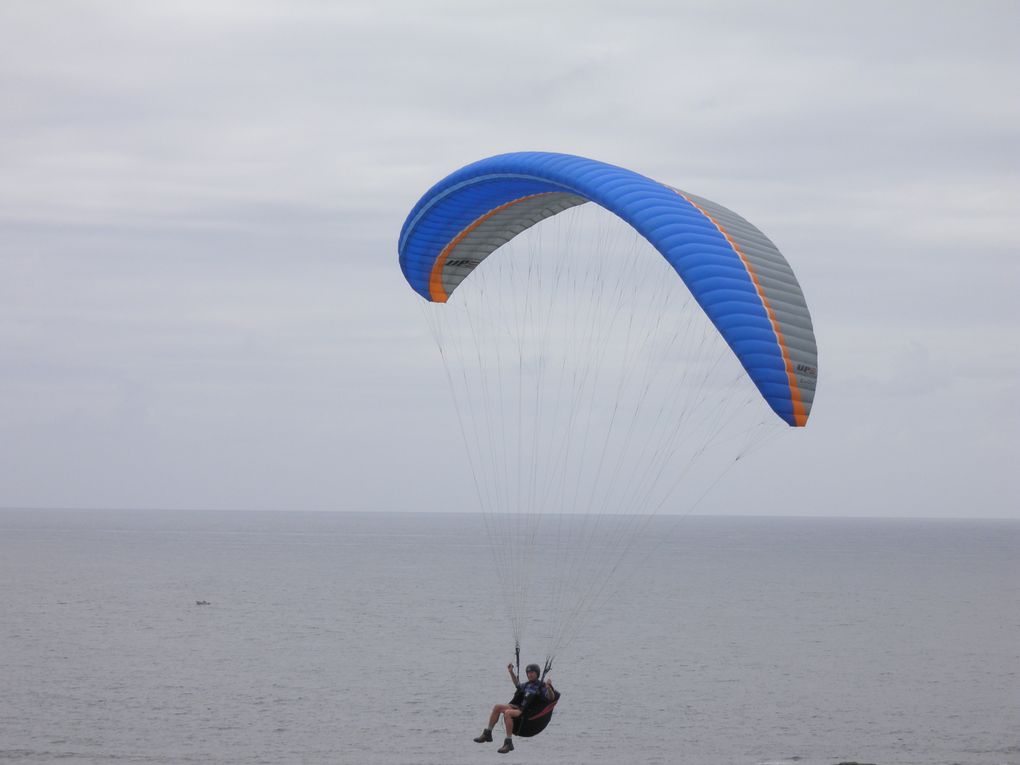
[{"x": 200, "y": 303}]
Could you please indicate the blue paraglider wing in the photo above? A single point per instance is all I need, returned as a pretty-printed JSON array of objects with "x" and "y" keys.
[{"x": 739, "y": 278}]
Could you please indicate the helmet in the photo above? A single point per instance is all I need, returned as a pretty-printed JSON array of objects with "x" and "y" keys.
[{"x": 533, "y": 668}]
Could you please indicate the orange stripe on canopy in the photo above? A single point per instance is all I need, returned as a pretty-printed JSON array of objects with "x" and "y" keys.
[
  {"x": 799, "y": 413},
  {"x": 436, "y": 290}
]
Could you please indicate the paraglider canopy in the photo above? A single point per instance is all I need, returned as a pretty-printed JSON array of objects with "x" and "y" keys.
[{"x": 738, "y": 277}]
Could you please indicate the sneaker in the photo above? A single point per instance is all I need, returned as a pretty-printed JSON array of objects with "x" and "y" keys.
[
  {"x": 508, "y": 746},
  {"x": 486, "y": 736}
]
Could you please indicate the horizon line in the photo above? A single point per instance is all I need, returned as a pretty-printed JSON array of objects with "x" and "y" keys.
[{"x": 150, "y": 509}]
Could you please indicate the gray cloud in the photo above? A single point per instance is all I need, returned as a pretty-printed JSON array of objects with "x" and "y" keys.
[{"x": 199, "y": 298}]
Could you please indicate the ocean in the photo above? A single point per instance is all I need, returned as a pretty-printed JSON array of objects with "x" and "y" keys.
[{"x": 373, "y": 639}]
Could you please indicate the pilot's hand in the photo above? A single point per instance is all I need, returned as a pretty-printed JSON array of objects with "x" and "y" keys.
[{"x": 510, "y": 667}]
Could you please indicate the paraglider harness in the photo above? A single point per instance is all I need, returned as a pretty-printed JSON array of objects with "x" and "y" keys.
[{"x": 536, "y": 709}]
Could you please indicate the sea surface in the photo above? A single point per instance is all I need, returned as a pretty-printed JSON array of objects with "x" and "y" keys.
[{"x": 382, "y": 638}]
